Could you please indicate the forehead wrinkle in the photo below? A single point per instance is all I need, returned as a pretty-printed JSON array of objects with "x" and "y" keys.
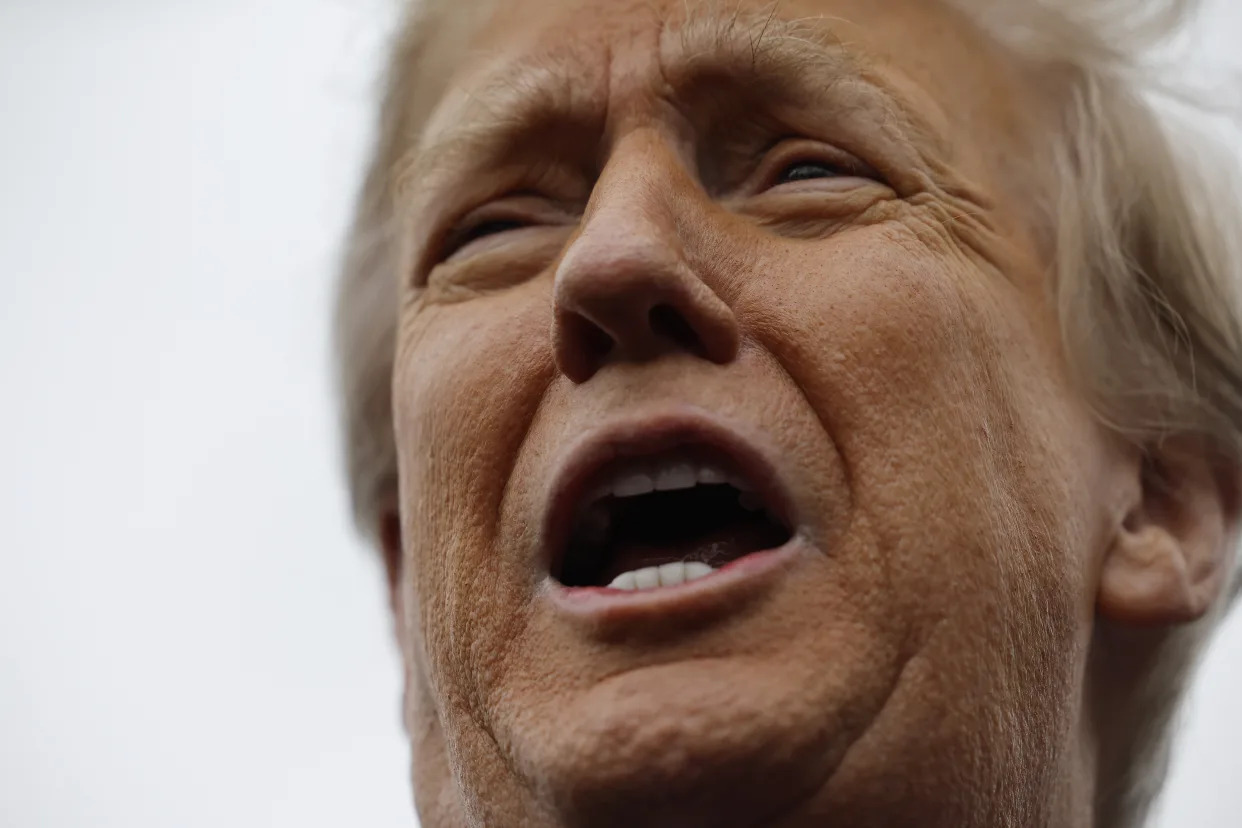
[
  {"x": 708, "y": 33},
  {"x": 481, "y": 120},
  {"x": 801, "y": 57}
]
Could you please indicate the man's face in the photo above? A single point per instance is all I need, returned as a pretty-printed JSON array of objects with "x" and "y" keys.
[{"x": 779, "y": 264}]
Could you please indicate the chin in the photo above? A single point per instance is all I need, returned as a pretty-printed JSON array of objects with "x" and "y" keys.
[{"x": 714, "y": 740}]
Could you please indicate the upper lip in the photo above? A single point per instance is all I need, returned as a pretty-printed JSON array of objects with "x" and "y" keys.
[{"x": 646, "y": 436}]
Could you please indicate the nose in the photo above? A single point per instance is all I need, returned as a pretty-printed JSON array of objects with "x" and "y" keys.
[{"x": 624, "y": 290}]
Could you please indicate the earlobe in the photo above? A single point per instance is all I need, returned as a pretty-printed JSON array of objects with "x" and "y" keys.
[
  {"x": 1170, "y": 555},
  {"x": 388, "y": 537}
]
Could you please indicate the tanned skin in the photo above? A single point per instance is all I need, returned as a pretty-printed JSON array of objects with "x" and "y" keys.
[{"x": 811, "y": 231}]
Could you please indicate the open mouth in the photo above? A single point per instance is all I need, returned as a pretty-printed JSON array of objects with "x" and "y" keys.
[{"x": 664, "y": 520}]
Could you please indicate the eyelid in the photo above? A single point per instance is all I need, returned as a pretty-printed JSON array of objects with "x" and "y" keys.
[
  {"x": 462, "y": 236},
  {"x": 787, "y": 152},
  {"x": 525, "y": 211}
]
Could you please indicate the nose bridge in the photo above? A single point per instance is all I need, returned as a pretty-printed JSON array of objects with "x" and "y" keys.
[
  {"x": 624, "y": 290},
  {"x": 631, "y": 206}
]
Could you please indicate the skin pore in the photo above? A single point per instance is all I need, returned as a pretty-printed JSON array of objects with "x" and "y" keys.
[{"x": 813, "y": 227}]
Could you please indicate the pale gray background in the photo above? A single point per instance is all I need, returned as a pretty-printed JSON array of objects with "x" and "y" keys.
[{"x": 189, "y": 633}]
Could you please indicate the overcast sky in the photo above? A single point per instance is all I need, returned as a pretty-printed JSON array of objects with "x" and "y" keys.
[{"x": 190, "y": 635}]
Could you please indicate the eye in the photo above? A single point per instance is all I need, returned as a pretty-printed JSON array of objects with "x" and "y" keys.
[
  {"x": 808, "y": 170},
  {"x": 463, "y": 237},
  {"x": 509, "y": 225},
  {"x": 792, "y": 162}
]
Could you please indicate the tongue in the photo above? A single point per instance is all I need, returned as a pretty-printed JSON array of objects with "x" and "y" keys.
[{"x": 713, "y": 548}]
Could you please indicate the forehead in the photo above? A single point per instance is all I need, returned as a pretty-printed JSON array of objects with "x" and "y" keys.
[
  {"x": 914, "y": 72},
  {"x": 876, "y": 26},
  {"x": 923, "y": 48}
]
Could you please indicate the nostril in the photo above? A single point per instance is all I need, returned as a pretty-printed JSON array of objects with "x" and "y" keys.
[
  {"x": 668, "y": 323},
  {"x": 593, "y": 342}
]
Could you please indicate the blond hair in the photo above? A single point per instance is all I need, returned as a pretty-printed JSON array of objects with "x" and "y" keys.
[
  {"x": 1147, "y": 267},
  {"x": 1146, "y": 222}
]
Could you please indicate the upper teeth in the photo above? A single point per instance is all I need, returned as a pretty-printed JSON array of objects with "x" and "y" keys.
[
  {"x": 667, "y": 477},
  {"x": 669, "y": 574}
]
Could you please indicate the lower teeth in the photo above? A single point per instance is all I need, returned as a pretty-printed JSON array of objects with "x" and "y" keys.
[{"x": 670, "y": 574}]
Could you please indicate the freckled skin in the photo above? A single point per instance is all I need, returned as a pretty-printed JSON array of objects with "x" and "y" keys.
[{"x": 884, "y": 339}]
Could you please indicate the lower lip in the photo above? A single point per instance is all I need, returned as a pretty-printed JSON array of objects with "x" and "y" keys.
[{"x": 726, "y": 588}]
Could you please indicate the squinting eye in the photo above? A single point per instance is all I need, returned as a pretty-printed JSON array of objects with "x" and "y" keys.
[
  {"x": 808, "y": 170},
  {"x": 481, "y": 230}
]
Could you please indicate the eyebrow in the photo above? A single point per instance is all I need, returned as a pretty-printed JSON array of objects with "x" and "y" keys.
[{"x": 780, "y": 58}]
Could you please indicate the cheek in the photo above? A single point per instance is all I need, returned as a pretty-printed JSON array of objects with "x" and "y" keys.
[
  {"x": 971, "y": 469},
  {"x": 468, "y": 379},
  {"x": 963, "y": 447}
]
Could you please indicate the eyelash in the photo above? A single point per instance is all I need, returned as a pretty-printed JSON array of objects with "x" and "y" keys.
[
  {"x": 476, "y": 230},
  {"x": 832, "y": 171},
  {"x": 487, "y": 227},
  {"x": 842, "y": 166}
]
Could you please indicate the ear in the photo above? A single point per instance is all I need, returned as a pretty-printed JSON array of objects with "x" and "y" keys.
[
  {"x": 388, "y": 534},
  {"x": 1170, "y": 556},
  {"x": 389, "y": 537}
]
